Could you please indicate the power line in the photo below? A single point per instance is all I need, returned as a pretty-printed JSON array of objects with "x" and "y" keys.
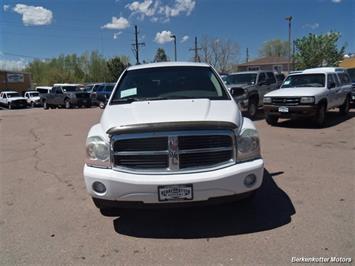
[
  {"x": 137, "y": 44},
  {"x": 196, "y": 49}
]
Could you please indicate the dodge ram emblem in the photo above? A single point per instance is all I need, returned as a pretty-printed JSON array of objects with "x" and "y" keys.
[{"x": 173, "y": 145}]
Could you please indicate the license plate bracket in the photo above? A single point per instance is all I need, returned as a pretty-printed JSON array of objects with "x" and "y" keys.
[{"x": 175, "y": 192}]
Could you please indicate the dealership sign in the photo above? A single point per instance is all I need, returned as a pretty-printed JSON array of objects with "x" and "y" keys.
[{"x": 15, "y": 77}]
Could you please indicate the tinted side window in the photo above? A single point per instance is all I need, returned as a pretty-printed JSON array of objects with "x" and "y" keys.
[
  {"x": 344, "y": 78},
  {"x": 271, "y": 77},
  {"x": 336, "y": 80},
  {"x": 330, "y": 79},
  {"x": 262, "y": 77}
]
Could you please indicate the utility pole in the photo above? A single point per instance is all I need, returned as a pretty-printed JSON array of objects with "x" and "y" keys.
[
  {"x": 289, "y": 19},
  {"x": 196, "y": 49},
  {"x": 174, "y": 37},
  {"x": 137, "y": 44},
  {"x": 247, "y": 58}
]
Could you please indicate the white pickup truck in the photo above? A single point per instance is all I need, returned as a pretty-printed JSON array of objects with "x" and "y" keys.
[
  {"x": 12, "y": 99},
  {"x": 309, "y": 93},
  {"x": 171, "y": 133}
]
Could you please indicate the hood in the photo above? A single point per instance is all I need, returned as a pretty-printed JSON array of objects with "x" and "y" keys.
[
  {"x": 146, "y": 112},
  {"x": 16, "y": 99},
  {"x": 294, "y": 92},
  {"x": 240, "y": 85}
]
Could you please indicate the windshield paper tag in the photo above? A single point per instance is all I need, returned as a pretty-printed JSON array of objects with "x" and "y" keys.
[
  {"x": 129, "y": 92},
  {"x": 287, "y": 82}
]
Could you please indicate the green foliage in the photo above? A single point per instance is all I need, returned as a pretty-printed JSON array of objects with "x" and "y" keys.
[
  {"x": 88, "y": 67},
  {"x": 160, "y": 56},
  {"x": 274, "y": 48},
  {"x": 318, "y": 50},
  {"x": 116, "y": 66}
]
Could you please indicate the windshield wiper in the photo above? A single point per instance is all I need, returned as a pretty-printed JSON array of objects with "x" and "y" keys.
[{"x": 124, "y": 100}]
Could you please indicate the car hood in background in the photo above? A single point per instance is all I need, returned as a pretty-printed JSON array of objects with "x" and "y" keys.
[{"x": 295, "y": 92}]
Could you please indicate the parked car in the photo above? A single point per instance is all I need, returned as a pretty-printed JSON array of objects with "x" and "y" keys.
[
  {"x": 33, "y": 99},
  {"x": 309, "y": 94},
  {"x": 171, "y": 133},
  {"x": 66, "y": 95},
  {"x": 93, "y": 92},
  {"x": 253, "y": 85},
  {"x": 12, "y": 99},
  {"x": 351, "y": 72},
  {"x": 280, "y": 77},
  {"x": 103, "y": 94}
]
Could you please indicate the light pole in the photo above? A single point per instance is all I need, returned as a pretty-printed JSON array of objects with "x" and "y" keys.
[
  {"x": 289, "y": 19},
  {"x": 174, "y": 37}
]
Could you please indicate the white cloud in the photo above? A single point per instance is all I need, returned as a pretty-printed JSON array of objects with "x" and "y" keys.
[
  {"x": 116, "y": 34},
  {"x": 163, "y": 37},
  {"x": 184, "y": 39},
  {"x": 34, "y": 15},
  {"x": 336, "y": 1},
  {"x": 117, "y": 24},
  {"x": 146, "y": 8},
  {"x": 180, "y": 6},
  {"x": 311, "y": 26},
  {"x": 159, "y": 12},
  {"x": 5, "y": 7},
  {"x": 19, "y": 64}
]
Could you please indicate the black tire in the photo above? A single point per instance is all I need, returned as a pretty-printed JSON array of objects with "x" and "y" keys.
[
  {"x": 45, "y": 105},
  {"x": 32, "y": 104},
  {"x": 102, "y": 105},
  {"x": 321, "y": 115},
  {"x": 272, "y": 120},
  {"x": 67, "y": 104},
  {"x": 9, "y": 106},
  {"x": 345, "y": 107},
  {"x": 252, "y": 108}
]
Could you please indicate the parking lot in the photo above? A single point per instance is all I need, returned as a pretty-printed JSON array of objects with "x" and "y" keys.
[{"x": 305, "y": 207}]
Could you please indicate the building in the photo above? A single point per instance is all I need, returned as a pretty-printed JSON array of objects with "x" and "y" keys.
[
  {"x": 14, "y": 80},
  {"x": 348, "y": 62},
  {"x": 274, "y": 63}
]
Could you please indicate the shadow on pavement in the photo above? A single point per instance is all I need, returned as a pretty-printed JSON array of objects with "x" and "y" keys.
[
  {"x": 332, "y": 119},
  {"x": 269, "y": 209}
]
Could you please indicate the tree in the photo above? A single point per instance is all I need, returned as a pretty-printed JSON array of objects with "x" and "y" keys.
[
  {"x": 160, "y": 56},
  {"x": 116, "y": 66},
  {"x": 318, "y": 50},
  {"x": 221, "y": 54},
  {"x": 275, "y": 47}
]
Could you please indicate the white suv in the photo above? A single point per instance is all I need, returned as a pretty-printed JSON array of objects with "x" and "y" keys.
[
  {"x": 171, "y": 133},
  {"x": 309, "y": 93}
]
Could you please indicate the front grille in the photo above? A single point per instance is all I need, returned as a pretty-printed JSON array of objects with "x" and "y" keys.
[
  {"x": 20, "y": 102},
  {"x": 289, "y": 101},
  {"x": 173, "y": 151}
]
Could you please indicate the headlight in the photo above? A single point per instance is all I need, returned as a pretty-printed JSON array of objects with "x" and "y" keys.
[
  {"x": 307, "y": 100},
  {"x": 97, "y": 152},
  {"x": 267, "y": 100},
  {"x": 248, "y": 145}
]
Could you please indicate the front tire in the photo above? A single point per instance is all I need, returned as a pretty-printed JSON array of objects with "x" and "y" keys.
[
  {"x": 345, "y": 107},
  {"x": 252, "y": 108},
  {"x": 32, "y": 104},
  {"x": 45, "y": 105},
  {"x": 102, "y": 105},
  {"x": 320, "y": 116},
  {"x": 272, "y": 120},
  {"x": 67, "y": 104},
  {"x": 9, "y": 106}
]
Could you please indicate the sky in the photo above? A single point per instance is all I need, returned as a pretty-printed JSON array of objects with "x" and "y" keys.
[{"x": 45, "y": 29}]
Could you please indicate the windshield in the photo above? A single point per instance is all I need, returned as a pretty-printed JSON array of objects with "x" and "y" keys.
[
  {"x": 246, "y": 78},
  {"x": 304, "y": 80},
  {"x": 109, "y": 88},
  {"x": 34, "y": 94},
  {"x": 70, "y": 88},
  {"x": 13, "y": 94},
  {"x": 351, "y": 72},
  {"x": 169, "y": 83}
]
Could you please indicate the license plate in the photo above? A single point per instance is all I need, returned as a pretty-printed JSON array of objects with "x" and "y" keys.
[
  {"x": 175, "y": 192},
  {"x": 283, "y": 109}
]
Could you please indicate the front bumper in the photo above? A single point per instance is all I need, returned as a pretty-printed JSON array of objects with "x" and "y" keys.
[
  {"x": 127, "y": 187},
  {"x": 293, "y": 111},
  {"x": 80, "y": 101}
]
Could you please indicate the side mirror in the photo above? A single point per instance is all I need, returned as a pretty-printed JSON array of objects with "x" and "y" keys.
[
  {"x": 236, "y": 92},
  {"x": 331, "y": 85}
]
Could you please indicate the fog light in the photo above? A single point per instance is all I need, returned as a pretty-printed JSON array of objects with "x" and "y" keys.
[
  {"x": 249, "y": 180},
  {"x": 99, "y": 187}
]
